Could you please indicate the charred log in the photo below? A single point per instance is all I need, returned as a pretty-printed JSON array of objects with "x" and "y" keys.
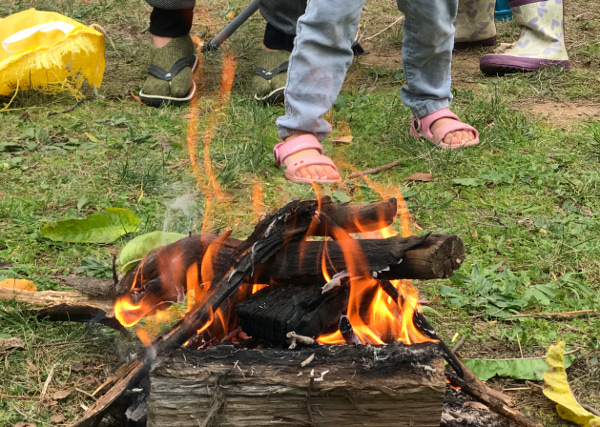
[
  {"x": 330, "y": 385},
  {"x": 270, "y": 314}
]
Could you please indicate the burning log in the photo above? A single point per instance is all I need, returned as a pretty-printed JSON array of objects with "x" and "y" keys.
[
  {"x": 66, "y": 306},
  {"x": 429, "y": 257},
  {"x": 329, "y": 385}
]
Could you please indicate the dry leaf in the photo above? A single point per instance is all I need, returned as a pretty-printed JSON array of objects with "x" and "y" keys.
[
  {"x": 341, "y": 139},
  {"x": 503, "y": 47},
  {"x": 23, "y": 424},
  {"x": 187, "y": 116},
  {"x": 9, "y": 343},
  {"x": 419, "y": 176},
  {"x": 556, "y": 388},
  {"x": 21, "y": 284},
  {"x": 61, "y": 394},
  {"x": 58, "y": 418}
]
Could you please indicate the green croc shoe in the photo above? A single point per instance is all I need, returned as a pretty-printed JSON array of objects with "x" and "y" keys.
[
  {"x": 270, "y": 77},
  {"x": 170, "y": 77}
]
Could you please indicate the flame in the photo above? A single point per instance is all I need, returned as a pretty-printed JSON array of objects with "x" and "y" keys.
[
  {"x": 375, "y": 317},
  {"x": 384, "y": 320}
]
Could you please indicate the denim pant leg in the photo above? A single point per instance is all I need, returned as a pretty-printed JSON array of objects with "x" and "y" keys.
[
  {"x": 427, "y": 54},
  {"x": 318, "y": 64}
]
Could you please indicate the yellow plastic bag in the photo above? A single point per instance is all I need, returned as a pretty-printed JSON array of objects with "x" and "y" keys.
[{"x": 48, "y": 51}]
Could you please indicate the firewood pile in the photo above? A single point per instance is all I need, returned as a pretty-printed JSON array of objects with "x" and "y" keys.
[{"x": 360, "y": 352}]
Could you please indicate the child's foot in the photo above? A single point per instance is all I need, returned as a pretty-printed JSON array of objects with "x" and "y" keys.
[
  {"x": 170, "y": 75},
  {"x": 445, "y": 130},
  {"x": 454, "y": 139},
  {"x": 303, "y": 159}
]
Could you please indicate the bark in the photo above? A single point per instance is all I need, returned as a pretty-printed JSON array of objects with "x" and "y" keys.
[{"x": 341, "y": 385}]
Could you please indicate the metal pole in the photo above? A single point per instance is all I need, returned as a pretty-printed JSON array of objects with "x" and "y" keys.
[{"x": 232, "y": 26}]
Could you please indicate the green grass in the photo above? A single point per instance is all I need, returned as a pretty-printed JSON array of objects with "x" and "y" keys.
[{"x": 525, "y": 201}]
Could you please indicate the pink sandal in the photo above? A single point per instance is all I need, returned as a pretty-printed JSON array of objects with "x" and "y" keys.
[
  {"x": 421, "y": 128},
  {"x": 300, "y": 143}
]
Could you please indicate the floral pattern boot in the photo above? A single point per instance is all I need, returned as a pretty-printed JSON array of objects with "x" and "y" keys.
[
  {"x": 542, "y": 40},
  {"x": 475, "y": 24}
]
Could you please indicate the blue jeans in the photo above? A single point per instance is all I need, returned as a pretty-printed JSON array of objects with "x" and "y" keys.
[{"x": 323, "y": 52}]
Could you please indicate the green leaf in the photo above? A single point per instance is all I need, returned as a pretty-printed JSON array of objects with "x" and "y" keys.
[
  {"x": 340, "y": 197},
  {"x": 137, "y": 249},
  {"x": 469, "y": 182},
  {"x": 520, "y": 369},
  {"x": 102, "y": 227}
]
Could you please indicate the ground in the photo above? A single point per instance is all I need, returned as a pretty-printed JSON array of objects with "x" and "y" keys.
[{"x": 525, "y": 201}]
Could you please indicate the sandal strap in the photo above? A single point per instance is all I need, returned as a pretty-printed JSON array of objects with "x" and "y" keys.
[
  {"x": 180, "y": 64},
  {"x": 314, "y": 160},
  {"x": 300, "y": 143},
  {"x": 426, "y": 122},
  {"x": 268, "y": 75}
]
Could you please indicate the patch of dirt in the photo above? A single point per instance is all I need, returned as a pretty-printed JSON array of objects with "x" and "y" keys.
[{"x": 566, "y": 113}]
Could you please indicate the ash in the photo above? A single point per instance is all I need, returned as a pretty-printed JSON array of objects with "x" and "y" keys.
[{"x": 460, "y": 410}]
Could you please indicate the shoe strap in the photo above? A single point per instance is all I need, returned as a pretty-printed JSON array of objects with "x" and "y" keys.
[
  {"x": 268, "y": 75},
  {"x": 300, "y": 143},
  {"x": 180, "y": 64}
]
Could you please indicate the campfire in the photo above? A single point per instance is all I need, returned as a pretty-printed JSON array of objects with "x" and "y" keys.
[{"x": 310, "y": 320}]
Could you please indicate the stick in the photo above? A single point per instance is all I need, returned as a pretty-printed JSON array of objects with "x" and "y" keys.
[
  {"x": 559, "y": 314},
  {"x": 376, "y": 170},
  {"x": 385, "y": 29},
  {"x": 459, "y": 344}
]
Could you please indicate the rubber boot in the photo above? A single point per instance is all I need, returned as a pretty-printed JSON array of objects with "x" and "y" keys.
[
  {"x": 475, "y": 24},
  {"x": 542, "y": 40}
]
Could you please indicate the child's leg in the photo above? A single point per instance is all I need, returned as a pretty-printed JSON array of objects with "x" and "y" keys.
[
  {"x": 426, "y": 59},
  {"x": 316, "y": 71}
]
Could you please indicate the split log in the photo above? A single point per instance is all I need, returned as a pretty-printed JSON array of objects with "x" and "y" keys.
[
  {"x": 326, "y": 386},
  {"x": 71, "y": 306}
]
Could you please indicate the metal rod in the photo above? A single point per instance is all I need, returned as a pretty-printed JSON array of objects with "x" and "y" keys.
[{"x": 232, "y": 26}]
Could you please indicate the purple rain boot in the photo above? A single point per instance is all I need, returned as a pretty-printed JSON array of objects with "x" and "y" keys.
[
  {"x": 542, "y": 40},
  {"x": 475, "y": 24}
]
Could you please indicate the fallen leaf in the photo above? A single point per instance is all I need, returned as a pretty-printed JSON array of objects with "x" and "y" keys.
[
  {"x": 419, "y": 176},
  {"x": 556, "y": 388},
  {"x": 163, "y": 144},
  {"x": 61, "y": 394},
  {"x": 520, "y": 369},
  {"x": 22, "y": 424},
  {"x": 21, "y": 284},
  {"x": 503, "y": 47},
  {"x": 92, "y": 137},
  {"x": 101, "y": 227},
  {"x": 9, "y": 343},
  {"x": 187, "y": 116},
  {"x": 58, "y": 418},
  {"x": 341, "y": 139}
]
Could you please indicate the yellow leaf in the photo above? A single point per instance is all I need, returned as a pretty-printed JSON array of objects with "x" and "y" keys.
[
  {"x": 230, "y": 15},
  {"x": 556, "y": 388},
  {"x": 21, "y": 284},
  {"x": 92, "y": 137}
]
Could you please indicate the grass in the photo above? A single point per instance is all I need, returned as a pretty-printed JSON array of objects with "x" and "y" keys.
[{"x": 525, "y": 201}]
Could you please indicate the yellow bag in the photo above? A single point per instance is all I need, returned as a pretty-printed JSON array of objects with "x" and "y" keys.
[{"x": 48, "y": 51}]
